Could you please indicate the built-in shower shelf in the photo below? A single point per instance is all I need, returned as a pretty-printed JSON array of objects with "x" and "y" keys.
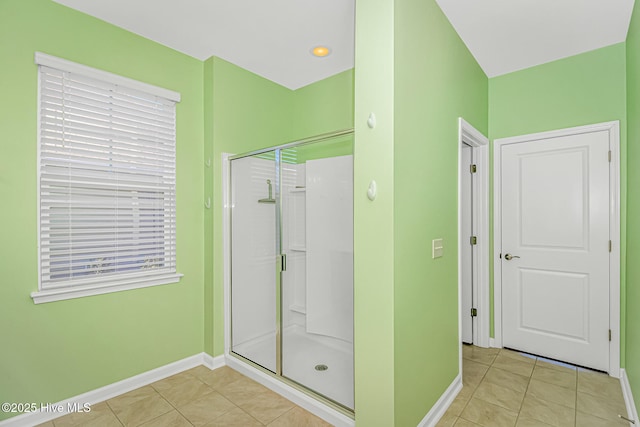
[
  {"x": 298, "y": 190},
  {"x": 298, "y": 308},
  {"x": 298, "y": 249}
]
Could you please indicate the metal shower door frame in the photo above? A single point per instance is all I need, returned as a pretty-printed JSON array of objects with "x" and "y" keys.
[{"x": 280, "y": 257}]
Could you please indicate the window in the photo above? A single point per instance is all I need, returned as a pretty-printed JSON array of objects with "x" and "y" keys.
[{"x": 107, "y": 198}]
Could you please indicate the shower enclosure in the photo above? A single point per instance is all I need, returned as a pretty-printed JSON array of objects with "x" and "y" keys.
[{"x": 291, "y": 222}]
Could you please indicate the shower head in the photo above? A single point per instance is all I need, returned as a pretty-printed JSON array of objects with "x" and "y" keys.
[{"x": 268, "y": 200}]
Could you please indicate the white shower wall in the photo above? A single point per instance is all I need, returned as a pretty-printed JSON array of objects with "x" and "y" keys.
[
  {"x": 318, "y": 240},
  {"x": 330, "y": 247}
]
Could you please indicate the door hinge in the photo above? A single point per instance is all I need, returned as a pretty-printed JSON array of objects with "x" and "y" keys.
[
  {"x": 283, "y": 262},
  {"x": 473, "y": 240},
  {"x": 473, "y": 168},
  {"x": 609, "y": 334},
  {"x": 609, "y": 156},
  {"x": 474, "y": 312},
  {"x": 610, "y": 245}
]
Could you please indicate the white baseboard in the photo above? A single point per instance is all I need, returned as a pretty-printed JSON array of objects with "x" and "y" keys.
[
  {"x": 632, "y": 412},
  {"x": 301, "y": 399},
  {"x": 213, "y": 362},
  {"x": 112, "y": 390},
  {"x": 493, "y": 343},
  {"x": 441, "y": 406}
]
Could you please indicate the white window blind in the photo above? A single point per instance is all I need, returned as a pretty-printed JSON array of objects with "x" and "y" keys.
[{"x": 107, "y": 182}]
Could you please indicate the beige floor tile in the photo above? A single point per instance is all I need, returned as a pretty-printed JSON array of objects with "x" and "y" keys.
[
  {"x": 515, "y": 382},
  {"x": 498, "y": 395},
  {"x": 551, "y": 376},
  {"x": 548, "y": 412},
  {"x": 298, "y": 417},
  {"x": 220, "y": 377},
  {"x": 607, "y": 409},
  {"x": 555, "y": 365},
  {"x": 206, "y": 409},
  {"x": 266, "y": 407},
  {"x": 199, "y": 371},
  {"x": 242, "y": 390},
  {"x": 552, "y": 393},
  {"x": 599, "y": 384},
  {"x": 517, "y": 365},
  {"x": 586, "y": 420},
  {"x": 131, "y": 397},
  {"x": 467, "y": 391},
  {"x": 530, "y": 422},
  {"x": 516, "y": 355},
  {"x": 488, "y": 415},
  {"x": 185, "y": 392},
  {"x": 485, "y": 356},
  {"x": 447, "y": 420},
  {"x": 99, "y": 415},
  {"x": 234, "y": 418},
  {"x": 47, "y": 424},
  {"x": 458, "y": 404},
  {"x": 173, "y": 381},
  {"x": 473, "y": 372},
  {"x": 143, "y": 410},
  {"x": 170, "y": 419},
  {"x": 465, "y": 423}
]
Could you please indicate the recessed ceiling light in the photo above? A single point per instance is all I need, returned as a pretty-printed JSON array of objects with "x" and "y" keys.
[{"x": 320, "y": 51}]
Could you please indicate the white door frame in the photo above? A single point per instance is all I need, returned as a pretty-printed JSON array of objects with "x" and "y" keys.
[
  {"x": 468, "y": 135},
  {"x": 613, "y": 128}
]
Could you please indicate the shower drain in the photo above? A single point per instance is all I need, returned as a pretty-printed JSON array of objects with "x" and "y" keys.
[{"x": 321, "y": 367}]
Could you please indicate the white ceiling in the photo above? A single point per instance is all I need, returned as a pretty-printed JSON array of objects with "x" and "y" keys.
[
  {"x": 273, "y": 38},
  {"x": 270, "y": 38},
  {"x": 510, "y": 35}
]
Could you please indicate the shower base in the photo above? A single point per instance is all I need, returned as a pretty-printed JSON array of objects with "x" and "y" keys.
[{"x": 301, "y": 353}]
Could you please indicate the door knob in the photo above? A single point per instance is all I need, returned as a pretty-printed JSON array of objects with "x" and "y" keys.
[{"x": 509, "y": 257}]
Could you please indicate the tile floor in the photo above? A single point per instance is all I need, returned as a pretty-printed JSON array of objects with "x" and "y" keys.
[
  {"x": 197, "y": 397},
  {"x": 501, "y": 388},
  {"x": 506, "y": 388}
]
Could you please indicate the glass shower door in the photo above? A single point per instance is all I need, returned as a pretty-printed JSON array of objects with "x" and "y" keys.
[
  {"x": 291, "y": 221},
  {"x": 253, "y": 258}
]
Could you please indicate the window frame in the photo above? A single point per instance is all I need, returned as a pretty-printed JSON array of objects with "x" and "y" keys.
[{"x": 118, "y": 281}]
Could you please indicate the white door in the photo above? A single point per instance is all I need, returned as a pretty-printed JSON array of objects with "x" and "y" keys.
[
  {"x": 555, "y": 247},
  {"x": 466, "y": 249}
]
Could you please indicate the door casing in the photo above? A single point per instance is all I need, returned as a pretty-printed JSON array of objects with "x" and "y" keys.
[
  {"x": 613, "y": 129},
  {"x": 468, "y": 135}
]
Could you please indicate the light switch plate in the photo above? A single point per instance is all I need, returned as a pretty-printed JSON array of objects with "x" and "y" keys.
[{"x": 437, "y": 248}]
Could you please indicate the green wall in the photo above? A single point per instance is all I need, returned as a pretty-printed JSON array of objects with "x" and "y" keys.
[
  {"x": 373, "y": 220},
  {"x": 580, "y": 90},
  {"x": 436, "y": 82},
  {"x": 417, "y": 77},
  {"x": 633, "y": 205},
  {"x": 61, "y": 349},
  {"x": 248, "y": 112}
]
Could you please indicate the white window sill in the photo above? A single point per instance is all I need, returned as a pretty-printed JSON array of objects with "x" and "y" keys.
[{"x": 80, "y": 291}]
